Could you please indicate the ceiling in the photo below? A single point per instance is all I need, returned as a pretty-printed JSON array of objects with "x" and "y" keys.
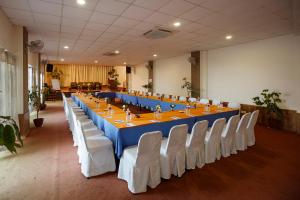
[{"x": 108, "y": 25}]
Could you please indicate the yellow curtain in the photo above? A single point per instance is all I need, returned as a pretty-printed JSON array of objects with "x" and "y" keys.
[{"x": 82, "y": 73}]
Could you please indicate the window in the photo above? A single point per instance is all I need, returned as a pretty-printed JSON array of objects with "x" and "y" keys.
[{"x": 7, "y": 84}]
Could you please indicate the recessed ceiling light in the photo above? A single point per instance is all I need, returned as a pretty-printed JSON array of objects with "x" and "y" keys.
[
  {"x": 66, "y": 47},
  {"x": 81, "y": 2},
  {"x": 154, "y": 55},
  {"x": 228, "y": 37},
  {"x": 176, "y": 24},
  {"x": 124, "y": 63},
  {"x": 96, "y": 61},
  {"x": 62, "y": 60},
  {"x": 116, "y": 51}
]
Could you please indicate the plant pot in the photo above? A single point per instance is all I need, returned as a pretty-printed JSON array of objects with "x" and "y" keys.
[
  {"x": 38, "y": 122},
  {"x": 275, "y": 123}
]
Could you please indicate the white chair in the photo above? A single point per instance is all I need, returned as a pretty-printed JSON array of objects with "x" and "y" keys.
[
  {"x": 228, "y": 136},
  {"x": 140, "y": 165},
  {"x": 204, "y": 101},
  {"x": 172, "y": 152},
  {"x": 234, "y": 105},
  {"x": 250, "y": 128},
  {"x": 213, "y": 141},
  {"x": 87, "y": 131},
  {"x": 194, "y": 147},
  {"x": 216, "y": 102},
  {"x": 96, "y": 155},
  {"x": 241, "y": 133},
  {"x": 182, "y": 98},
  {"x": 192, "y": 99}
]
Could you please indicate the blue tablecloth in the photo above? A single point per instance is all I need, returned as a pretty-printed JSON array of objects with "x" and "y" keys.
[
  {"x": 141, "y": 101},
  {"x": 124, "y": 137}
]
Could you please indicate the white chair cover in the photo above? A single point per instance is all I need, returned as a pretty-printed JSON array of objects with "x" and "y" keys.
[
  {"x": 96, "y": 156},
  {"x": 241, "y": 133},
  {"x": 182, "y": 98},
  {"x": 234, "y": 105},
  {"x": 250, "y": 128},
  {"x": 204, "y": 101},
  {"x": 172, "y": 152},
  {"x": 228, "y": 136},
  {"x": 194, "y": 147},
  {"x": 140, "y": 165},
  {"x": 192, "y": 99},
  {"x": 213, "y": 141},
  {"x": 216, "y": 102}
]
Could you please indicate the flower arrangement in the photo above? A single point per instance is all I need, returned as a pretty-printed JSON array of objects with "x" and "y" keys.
[
  {"x": 158, "y": 108},
  {"x": 188, "y": 85}
]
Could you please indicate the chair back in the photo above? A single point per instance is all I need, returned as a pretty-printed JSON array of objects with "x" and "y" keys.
[
  {"x": 216, "y": 130},
  {"x": 216, "y": 102},
  {"x": 253, "y": 119},
  {"x": 231, "y": 126},
  {"x": 182, "y": 98},
  {"x": 148, "y": 147},
  {"x": 177, "y": 138},
  {"x": 243, "y": 123},
  {"x": 198, "y": 134},
  {"x": 204, "y": 101},
  {"x": 192, "y": 99},
  {"x": 234, "y": 105},
  {"x": 82, "y": 140}
]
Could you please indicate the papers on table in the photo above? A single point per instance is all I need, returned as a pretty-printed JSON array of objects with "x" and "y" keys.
[
  {"x": 153, "y": 120},
  {"x": 119, "y": 121},
  {"x": 175, "y": 117},
  {"x": 101, "y": 112},
  {"x": 130, "y": 124}
]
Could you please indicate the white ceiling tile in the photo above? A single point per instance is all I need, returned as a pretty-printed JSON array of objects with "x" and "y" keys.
[
  {"x": 18, "y": 14},
  {"x": 45, "y": 7},
  {"x": 176, "y": 7},
  {"x": 151, "y": 4},
  {"x": 144, "y": 26},
  {"x": 116, "y": 29},
  {"x": 71, "y": 29},
  {"x": 196, "y": 13},
  {"x": 102, "y": 18},
  {"x": 124, "y": 22},
  {"x": 91, "y": 33},
  {"x": 49, "y": 19},
  {"x": 159, "y": 18},
  {"x": 90, "y": 4},
  {"x": 49, "y": 27},
  {"x": 76, "y": 13},
  {"x": 138, "y": 13},
  {"x": 73, "y": 22},
  {"x": 111, "y": 7},
  {"x": 16, "y": 4},
  {"x": 96, "y": 26}
]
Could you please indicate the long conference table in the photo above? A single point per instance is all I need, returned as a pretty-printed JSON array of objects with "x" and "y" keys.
[{"x": 124, "y": 134}]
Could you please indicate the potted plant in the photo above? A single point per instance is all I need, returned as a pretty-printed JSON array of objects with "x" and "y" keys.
[
  {"x": 269, "y": 100},
  {"x": 56, "y": 74},
  {"x": 147, "y": 86},
  {"x": 45, "y": 94},
  {"x": 113, "y": 79},
  {"x": 188, "y": 85},
  {"x": 35, "y": 102},
  {"x": 9, "y": 134}
]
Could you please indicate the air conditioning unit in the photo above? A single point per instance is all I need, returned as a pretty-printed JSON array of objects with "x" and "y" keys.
[{"x": 157, "y": 33}]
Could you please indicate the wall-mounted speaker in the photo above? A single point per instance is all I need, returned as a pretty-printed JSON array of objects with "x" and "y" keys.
[
  {"x": 128, "y": 70},
  {"x": 49, "y": 68}
]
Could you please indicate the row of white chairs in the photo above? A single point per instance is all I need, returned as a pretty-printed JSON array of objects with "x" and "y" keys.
[
  {"x": 156, "y": 157},
  {"x": 95, "y": 151}
]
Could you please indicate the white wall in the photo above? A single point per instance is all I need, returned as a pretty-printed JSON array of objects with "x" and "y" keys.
[
  {"x": 168, "y": 75},
  {"x": 139, "y": 77},
  {"x": 238, "y": 73}
]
